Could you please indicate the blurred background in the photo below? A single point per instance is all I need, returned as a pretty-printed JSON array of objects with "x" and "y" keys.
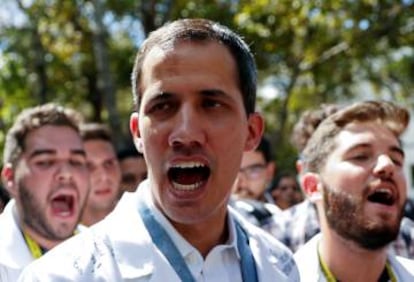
[{"x": 80, "y": 53}]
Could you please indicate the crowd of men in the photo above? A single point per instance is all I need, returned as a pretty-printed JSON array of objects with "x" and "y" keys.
[{"x": 200, "y": 201}]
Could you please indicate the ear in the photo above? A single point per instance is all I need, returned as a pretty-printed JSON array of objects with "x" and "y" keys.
[
  {"x": 312, "y": 186},
  {"x": 256, "y": 128},
  {"x": 7, "y": 176},
  {"x": 134, "y": 128},
  {"x": 299, "y": 166}
]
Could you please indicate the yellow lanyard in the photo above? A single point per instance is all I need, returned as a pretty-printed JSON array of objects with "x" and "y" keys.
[
  {"x": 34, "y": 247},
  {"x": 328, "y": 274},
  {"x": 331, "y": 278},
  {"x": 390, "y": 272}
]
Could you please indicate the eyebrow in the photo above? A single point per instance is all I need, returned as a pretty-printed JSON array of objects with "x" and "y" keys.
[
  {"x": 164, "y": 95},
  {"x": 38, "y": 152},
  {"x": 213, "y": 92},
  {"x": 393, "y": 148}
]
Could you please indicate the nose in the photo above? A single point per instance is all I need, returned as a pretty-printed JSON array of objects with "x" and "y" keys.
[
  {"x": 241, "y": 180},
  {"x": 64, "y": 172},
  {"x": 189, "y": 128},
  {"x": 384, "y": 166}
]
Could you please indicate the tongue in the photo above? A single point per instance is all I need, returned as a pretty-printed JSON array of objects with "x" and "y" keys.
[
  {"x": 187, "y": 178},
  {"x": 60, "y": 206}
]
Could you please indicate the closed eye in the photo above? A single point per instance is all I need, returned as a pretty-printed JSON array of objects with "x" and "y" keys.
[
  {"x": 397, "y": 160},
  {"x": 44, "y": 163},
  {"x": 360, "y": 157}
]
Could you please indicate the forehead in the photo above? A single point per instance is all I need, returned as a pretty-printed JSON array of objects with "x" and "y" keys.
[
  {"x": 252, "y": 157},
  {"x": 195, "y": 58},
  {"x": 97, "y": 149},
  {"x": 365, "y": 133},
  {"x": 53, "y": 137}
]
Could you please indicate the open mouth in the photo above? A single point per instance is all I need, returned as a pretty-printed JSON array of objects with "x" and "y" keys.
[
  {"x": 188, "y": 176},
  {"x": 63, "y": 205},
  {"x": 382, "y": 196}
]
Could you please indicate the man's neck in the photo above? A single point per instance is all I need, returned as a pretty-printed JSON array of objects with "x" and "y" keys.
[
  {"x": 360, "y": 264},
  {"x": 92, "y": 216},
  {"x": 206, "y": 235},
  {"x": 41, "y": 241}
]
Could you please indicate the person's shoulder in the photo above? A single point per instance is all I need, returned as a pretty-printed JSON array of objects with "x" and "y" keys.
[
  {"x": 306, "y": 258},
  {"x": 403, "y": 267},
  {"x": 74, "y": 259},
  {"x": 309, "y": 248},
  {"x": 270, "y": 249},
  {"x": 256, "y": 212},
  {"x": 8, "y": 273}
]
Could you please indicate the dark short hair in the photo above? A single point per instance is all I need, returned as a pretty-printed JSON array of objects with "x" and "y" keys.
[
  {"x": 33, "y": 118},
  {"x": 127, "y": 152},
  {"x": 283, "y": 174},
  {"x": 266, "y": 149},
  {"x": 201, "y": 30}
]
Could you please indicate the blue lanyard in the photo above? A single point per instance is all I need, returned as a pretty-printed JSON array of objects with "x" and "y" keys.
[{"x": 164, "y": 243}]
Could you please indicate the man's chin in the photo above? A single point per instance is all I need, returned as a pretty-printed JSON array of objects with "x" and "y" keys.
[{"x": 375, "y": 239}]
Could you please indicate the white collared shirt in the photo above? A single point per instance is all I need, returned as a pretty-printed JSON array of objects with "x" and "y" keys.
[{"x": 222, "y": 262}]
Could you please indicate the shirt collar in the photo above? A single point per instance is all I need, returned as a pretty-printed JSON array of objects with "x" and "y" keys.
[{"x": 184, "y": 247}]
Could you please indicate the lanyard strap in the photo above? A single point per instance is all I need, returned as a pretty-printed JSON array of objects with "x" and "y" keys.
[
  {"x": 389, "y": 273},
  {"x": 34, "y": 247},
  {"x": 248, "y": 265},
  {"x": 163, "y": 241}
]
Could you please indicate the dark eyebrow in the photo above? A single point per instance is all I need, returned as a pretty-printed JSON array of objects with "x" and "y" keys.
[
  {"x": 213, "y": 92},
  {"x": 53, "y": 152}
]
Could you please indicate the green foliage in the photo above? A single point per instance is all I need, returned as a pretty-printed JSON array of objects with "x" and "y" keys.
[{"x": 314, "y": 52}]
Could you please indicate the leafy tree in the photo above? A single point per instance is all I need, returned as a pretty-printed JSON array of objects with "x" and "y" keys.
[{"x": 80, "y": 53}]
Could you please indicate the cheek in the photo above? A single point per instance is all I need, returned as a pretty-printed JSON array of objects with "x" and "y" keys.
[
  {"x": 402, "y": 182},
  {"x": 346, "y": 178}
]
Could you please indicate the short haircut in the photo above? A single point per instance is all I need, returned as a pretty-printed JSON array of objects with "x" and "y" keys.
[
  {"x": 308, "y": 122},
  {"x": 201, "y": 31},
  {"x": 33, "y": 118},
  {"x": 95, "y": 131},
  {"x": 281, "y": 175},
  {"x": 322, "y": 142},
  {"x": 127, "y": 152},
  {"x": 266, "y": 149}
]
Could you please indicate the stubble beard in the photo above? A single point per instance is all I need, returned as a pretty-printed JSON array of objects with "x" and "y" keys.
[
  {"x": 344, "y": 214},
  {"x": 33, "y": 215}
]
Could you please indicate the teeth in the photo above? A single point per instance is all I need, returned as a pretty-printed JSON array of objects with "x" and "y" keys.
[
  {"x": 384, "y": 190},
  {"x": 188, "y": 187},
  {"x": 64, "y": 213},
  {"x": 188, "y": 165}
]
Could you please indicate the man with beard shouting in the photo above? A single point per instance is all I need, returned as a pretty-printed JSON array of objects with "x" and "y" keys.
[
  {"x": 353, "y": 171},
  {"x": 45, "y": 172}
]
